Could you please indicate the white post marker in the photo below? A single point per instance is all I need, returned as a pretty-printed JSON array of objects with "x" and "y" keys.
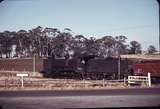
[
  {"x": 149, "y": 79},
  {"x": 22, "y": 75},
  {"x": 103, "y": 82}
]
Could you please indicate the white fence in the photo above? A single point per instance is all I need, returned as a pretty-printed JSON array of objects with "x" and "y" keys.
[
  {"x": 140, "y": 79},
  {"x": 41, "y": 82},
  {"x": 58, "y": 83}
]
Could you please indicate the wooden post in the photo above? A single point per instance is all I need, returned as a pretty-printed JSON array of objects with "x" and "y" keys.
[
  {"x": 103, "y": 82},
  {"x": 119, "y": 66},
  {"x": 34, "y": 63},
  {"x": 84, "y": 83},
  {"x": 149, "y": 79},
  {"x": 5, "y": 83},
  {"x": 22, "y": 81},
  {"x": 124, "y": 80}
]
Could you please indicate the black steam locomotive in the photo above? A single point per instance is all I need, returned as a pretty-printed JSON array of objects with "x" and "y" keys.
[{"x": 86, "y": 67}]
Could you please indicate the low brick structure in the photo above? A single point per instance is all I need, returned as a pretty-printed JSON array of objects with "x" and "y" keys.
[{"x": 21, "y": 64}]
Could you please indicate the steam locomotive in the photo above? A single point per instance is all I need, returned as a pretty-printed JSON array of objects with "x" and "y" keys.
[{"x": 87, "y": 67}]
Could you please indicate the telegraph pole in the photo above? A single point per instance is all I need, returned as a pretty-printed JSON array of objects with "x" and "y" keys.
[
  {"x": 159, "y": 26},
  {"x": 119, "y": 63},
  {"x": 119, "y": 66},
  {"x": 34, "y": 62}
]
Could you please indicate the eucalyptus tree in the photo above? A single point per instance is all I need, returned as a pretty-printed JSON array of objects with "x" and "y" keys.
[
  {"x": 1, "y": 44},
  {"x": 151, "y": 49},
  {"x": 121, "y": 46},
  {"x": 22, "y": 41},
  {"x": 36, "y": 35},
  {"x": 6, "y": 43},
  {"x": 49, "y": 39},
  {"x": 62, "y": 44},
  {"x": 78, "y": 45},
  {"x": 92, "y": 46},
  {"x": 107, "y": 45},
  {"x": 135, "y": 47}
]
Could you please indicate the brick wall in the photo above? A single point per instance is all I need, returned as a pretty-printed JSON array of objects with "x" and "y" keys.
[{"x": 21, "y": 64}]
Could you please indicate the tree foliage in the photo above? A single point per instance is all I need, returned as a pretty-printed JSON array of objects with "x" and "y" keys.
[
  {"x": 45, "y": 42},
  {"x": 135, "y": 47},
  {"x": 151, "y": 49}
]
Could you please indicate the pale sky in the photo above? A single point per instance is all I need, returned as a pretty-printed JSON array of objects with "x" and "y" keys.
[{"x": 135, "y": 19}]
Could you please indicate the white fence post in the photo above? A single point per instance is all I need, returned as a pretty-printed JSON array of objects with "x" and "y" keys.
[
  {"x": 124, "y": 81},
  {"x": 84, "y": 83},
  {"x": 22, "y": 75},
  {"x": 140, "y": 79},
  {"x": 149, "y": 79},
  {"x": 103, "y": 82},
  {"x": 22, "y": 81}
]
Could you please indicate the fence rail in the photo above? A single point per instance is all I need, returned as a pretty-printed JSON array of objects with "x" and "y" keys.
[
  {"x": 42, "y": 82},
  {"x": 58, "y": 83}
]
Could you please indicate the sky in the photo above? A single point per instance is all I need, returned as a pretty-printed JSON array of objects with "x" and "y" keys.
[{"x": 136, "y": 19}]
